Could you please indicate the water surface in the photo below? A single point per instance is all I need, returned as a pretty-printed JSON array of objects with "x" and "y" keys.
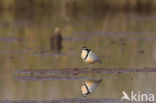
[{"x": 124, "y": 42}]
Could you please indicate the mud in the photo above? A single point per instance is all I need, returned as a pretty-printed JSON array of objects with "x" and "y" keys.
[
  {"x": 10, "y": 39},
  {"x": 76, "y": 71},
  {"x": 14, "y": 51}
]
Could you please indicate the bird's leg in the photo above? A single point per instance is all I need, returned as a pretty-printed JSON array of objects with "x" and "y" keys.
[{"x": 90, "y": 66}]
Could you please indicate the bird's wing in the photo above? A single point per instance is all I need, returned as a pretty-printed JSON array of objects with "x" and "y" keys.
[{"x": 96, "y": 57}]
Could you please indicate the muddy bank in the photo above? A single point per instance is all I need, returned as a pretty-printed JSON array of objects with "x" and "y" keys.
[{"x": 76, "y": 71}]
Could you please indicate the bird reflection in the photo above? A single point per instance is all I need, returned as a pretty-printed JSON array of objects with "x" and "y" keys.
[{"x": 89, "y": 86}]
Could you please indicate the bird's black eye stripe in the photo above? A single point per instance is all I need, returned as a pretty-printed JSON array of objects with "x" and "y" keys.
[
  {"x": 87, "y": 54},
  {"x": 87, "y": 89},
  {"x": 87, "y": 49}
]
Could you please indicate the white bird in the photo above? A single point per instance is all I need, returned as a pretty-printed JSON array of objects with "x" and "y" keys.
[
  {"x": 89, "y": 56},
  {"x": 89, "y": 86}
]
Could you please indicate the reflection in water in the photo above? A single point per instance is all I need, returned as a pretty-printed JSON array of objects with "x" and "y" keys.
[{"x": 89, "y": 86}]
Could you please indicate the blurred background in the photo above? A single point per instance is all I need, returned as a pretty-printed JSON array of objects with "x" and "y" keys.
[{"x": 121, "y": 32}]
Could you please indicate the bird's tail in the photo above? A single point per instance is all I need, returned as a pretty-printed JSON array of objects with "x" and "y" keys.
[
  {"x": 99, "y": 61},
  {"x": 99, "y": 81}
]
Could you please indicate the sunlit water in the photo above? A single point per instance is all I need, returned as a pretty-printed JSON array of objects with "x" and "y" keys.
[{"x": 121, "y": 40}]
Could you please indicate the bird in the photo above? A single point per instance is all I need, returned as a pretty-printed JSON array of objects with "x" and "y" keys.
[
  {"x": 56, "y": 41},
  {"x": 89, "y": 86},
  {"x": 89, "y": 56}
]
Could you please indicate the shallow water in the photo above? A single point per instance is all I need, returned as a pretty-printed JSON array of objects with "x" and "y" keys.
[
  {"x": 29, "y": 70},
  {"x": 76, "y": 100}
]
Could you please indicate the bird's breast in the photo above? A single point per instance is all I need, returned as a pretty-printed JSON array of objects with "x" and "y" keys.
[
  {"x": 91, "y": 58},
  {"x": 83, "y": 54}
]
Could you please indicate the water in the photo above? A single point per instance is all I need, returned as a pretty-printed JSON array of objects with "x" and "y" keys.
[{"x": 31, "y": 71}]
